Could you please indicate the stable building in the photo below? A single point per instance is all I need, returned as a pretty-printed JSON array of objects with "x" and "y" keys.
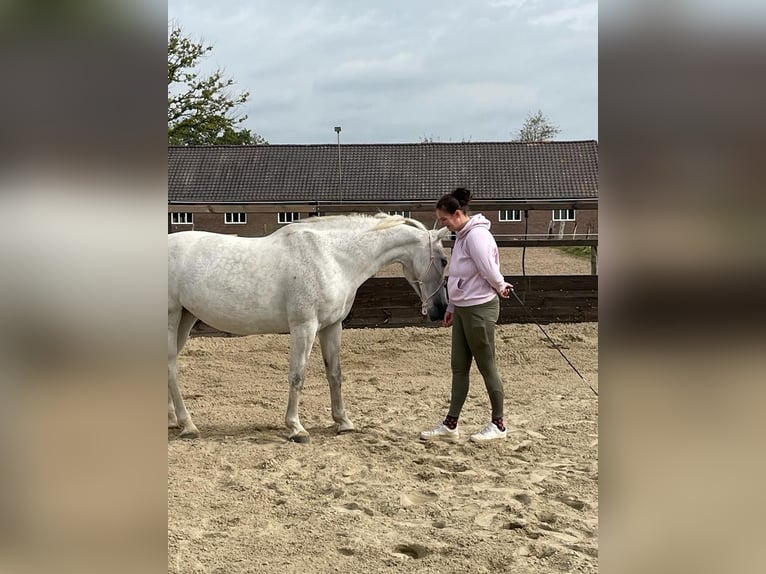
[{"x": 546, "y": 190}]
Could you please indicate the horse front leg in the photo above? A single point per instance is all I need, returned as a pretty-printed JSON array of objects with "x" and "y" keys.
[
  {"x": 301, "y": 340},
  {"x": 175, "y": 400},
  {"x": 172, "y": 418},
  {"x": 329, "y": 339},
  {"x": 182, "y": 328}
]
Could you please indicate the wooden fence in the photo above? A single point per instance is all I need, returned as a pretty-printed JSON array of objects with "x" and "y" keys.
[{"x": 391, "y": 302}]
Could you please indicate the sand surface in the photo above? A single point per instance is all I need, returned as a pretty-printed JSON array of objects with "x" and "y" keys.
[{"x": 243, "y": 499}]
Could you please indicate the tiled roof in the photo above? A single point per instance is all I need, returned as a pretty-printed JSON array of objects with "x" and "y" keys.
[{"x": 383, "y": 172}]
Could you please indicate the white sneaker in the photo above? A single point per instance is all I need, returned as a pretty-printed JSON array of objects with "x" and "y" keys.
[
  {"x": 489, "y": 432},
  {"x": 442, "y": 432}
]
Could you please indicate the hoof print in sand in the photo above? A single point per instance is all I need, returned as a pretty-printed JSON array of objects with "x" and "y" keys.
[
  {"x": 414, "y": 551},
  {"x": 417, "y": 498}
]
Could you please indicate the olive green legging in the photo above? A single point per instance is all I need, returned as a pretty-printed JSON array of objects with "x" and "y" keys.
[{"x": 473, "y": 337}]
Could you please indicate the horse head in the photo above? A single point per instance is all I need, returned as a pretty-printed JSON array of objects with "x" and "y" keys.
[{"x": 426, "y": 274}]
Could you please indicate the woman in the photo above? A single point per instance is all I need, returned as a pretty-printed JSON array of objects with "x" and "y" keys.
[{"x": 475, "y": 281}]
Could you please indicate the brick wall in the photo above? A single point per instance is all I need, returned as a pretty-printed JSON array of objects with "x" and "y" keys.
[
  {"x": 261, "y": 223},
  {"x": 258, "y": 223}
]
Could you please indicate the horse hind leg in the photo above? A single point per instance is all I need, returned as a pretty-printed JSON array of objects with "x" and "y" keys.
[
  {"x": 329, "y": 340},
  {"x": 179, "y": 326}
]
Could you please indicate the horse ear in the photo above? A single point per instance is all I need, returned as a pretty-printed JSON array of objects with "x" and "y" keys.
[{"x": 441, "y": 233}]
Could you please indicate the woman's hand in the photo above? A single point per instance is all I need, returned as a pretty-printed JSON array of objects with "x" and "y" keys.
[
  {"x": 447, "y": 322},
  {"x": 506, "y": 292}
]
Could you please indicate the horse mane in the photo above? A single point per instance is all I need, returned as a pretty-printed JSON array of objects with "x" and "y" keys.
[
  {"x": 388, "y": 221},
  {"x": 385, "y": 221}
]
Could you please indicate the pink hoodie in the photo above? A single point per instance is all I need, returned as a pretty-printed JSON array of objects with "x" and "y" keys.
[{"x": 474, "y": 270}]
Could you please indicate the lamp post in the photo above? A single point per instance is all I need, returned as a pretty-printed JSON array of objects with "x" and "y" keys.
[{"x": 340, "y": 173}]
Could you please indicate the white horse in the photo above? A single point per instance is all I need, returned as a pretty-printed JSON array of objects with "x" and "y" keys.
[{"x": 302, "y": 280}]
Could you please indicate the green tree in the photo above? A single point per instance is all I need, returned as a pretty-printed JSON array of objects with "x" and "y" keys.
[
  {"x": 201, "y": 110},
  {"x": 536, "y": 128}
]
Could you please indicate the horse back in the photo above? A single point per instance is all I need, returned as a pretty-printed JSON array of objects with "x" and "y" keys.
[{"x": 252, "y": 285}]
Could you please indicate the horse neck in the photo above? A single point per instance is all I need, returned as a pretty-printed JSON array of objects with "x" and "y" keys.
[{"x": 375, "y": 249}]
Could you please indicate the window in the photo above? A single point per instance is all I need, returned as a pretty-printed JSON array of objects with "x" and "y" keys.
[
  {"x": 563, "y": 215},
  {"x": 178, "y": 218},
  {"x": 288, "y": 216},
  {"x": 235, "y": 217},
  {"x": 407, "y": 214},
  {"x": 509, "y": 215}
]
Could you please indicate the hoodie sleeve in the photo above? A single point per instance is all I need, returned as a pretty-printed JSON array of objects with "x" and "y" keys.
[{"x": 483, "y": 249}]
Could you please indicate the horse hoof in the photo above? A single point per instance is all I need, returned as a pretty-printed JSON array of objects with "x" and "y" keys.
[
  {"x": 345, "y": 430},
  {"x": 300, "y": 438},
  {"x": 192, "y": 434}
]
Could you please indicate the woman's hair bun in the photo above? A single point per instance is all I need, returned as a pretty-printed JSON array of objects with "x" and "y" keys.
[{"x": 462, "y": 195}]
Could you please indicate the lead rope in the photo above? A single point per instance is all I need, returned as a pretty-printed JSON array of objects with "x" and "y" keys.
[
  {"x": 555, "y": 346},
  {"x": 424, "y": 308}
]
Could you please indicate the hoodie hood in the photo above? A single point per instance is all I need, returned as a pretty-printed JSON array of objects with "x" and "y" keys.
[{"x": 477, "y": 220}]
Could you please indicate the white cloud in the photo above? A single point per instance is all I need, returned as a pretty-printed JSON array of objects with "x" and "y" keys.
[
  {"x": 362, "y": 76},
  {"x": 513, "y": 4},
  {"x": 400, "y": 64},
  {"x": 489, "y": 95},
  {"x": 580, "y": 18}
]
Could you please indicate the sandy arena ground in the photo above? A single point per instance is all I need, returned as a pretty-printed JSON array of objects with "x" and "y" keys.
[{"x": 243, "y": 499}]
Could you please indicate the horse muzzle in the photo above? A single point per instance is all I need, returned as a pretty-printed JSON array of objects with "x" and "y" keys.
[{"x": 436, "y": 311}]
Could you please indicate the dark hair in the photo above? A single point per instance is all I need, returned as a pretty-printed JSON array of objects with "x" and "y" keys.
[{"x": 451, "y": 202}]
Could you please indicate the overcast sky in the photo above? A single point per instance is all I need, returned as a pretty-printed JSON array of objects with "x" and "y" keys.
[{"x": 399, "y": 70}]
